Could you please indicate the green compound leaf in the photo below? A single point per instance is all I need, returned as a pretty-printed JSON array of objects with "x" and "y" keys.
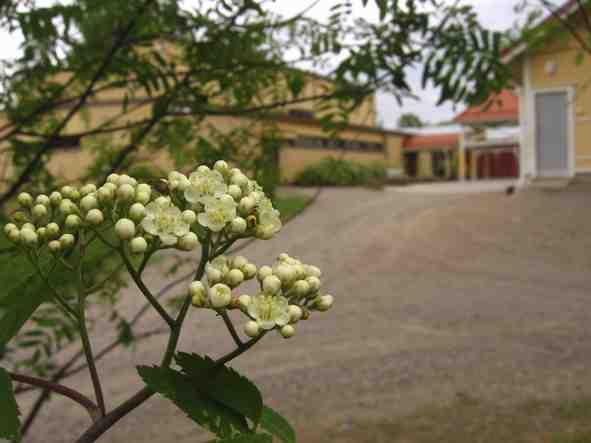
[
  {"x": 247, "y": 438},
  {"x": 17, "y": 306},
  {"x": 223, "y": 385},
  {"x": 181, "y": 390},
  {"x": 9, "y": 422},
  {"x": 274, "y": 423}
]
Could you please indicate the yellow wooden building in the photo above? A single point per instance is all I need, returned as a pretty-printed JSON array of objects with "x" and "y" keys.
[
  {"x": 304, "y": 141},
  {"x": 554, "y": 77}
]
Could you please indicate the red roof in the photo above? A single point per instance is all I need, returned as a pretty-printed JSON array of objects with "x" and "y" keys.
[
  {"x": 502, "y": 107},
  {"x": 432, "y": 141}
]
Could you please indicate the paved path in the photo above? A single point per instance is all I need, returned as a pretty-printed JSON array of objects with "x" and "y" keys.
[
  {"x": 459, "y": 187},
  {"x": 436, "y": 295}
]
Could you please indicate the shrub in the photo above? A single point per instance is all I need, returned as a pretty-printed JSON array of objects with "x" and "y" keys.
[{"x": 338, "y": 172}]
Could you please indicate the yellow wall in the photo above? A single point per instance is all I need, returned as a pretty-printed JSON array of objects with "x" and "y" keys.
[
  {"x": 563, "y": 52},
  {"x": 424, "y": 168},
  {"x": 71, "y": 164}
]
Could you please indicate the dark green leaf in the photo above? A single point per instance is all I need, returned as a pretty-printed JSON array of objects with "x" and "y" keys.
[
  {"x": 248, "y": 438},
  {"x": 274, "y": 423},
  {"x": 179, "y": 388},
  {"x": 223, "y": 384},
  {"x": 17, "y": 307},
  {"x": 9, "y": 422}
]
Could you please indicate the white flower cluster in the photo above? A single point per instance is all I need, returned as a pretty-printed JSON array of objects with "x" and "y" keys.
[
  {"x": 289, "y": 292},
  {"x": 219, "y": 200},
  {"x": 226, "y": 201}
]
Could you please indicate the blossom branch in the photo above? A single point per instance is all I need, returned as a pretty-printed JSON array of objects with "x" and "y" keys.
[{"x": 144, "y": 289}]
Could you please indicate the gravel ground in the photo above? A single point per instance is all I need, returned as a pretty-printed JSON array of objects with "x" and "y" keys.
[{"x": 437, "y": 296}]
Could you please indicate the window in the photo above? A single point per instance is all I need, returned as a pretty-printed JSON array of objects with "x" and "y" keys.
[
  {"x": 66, "y": 142},
  {"x": 301, "y": 114},
  {"x": 331, "y": 143}
]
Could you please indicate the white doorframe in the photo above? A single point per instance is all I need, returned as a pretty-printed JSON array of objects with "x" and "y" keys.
[{"x": 570, "y": 115}]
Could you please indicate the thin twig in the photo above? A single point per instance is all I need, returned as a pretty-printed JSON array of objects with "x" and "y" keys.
[
  {"x": 231, "y": 328},
  {"x": 72, "y": 394}
]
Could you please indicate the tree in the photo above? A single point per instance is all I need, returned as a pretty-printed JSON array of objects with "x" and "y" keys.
[
  {"x": 410, "y": 120},
  {"x": 174, "y": 68}
]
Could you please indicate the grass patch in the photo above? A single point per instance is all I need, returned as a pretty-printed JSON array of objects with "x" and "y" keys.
[{"x": 290, "y": 205}]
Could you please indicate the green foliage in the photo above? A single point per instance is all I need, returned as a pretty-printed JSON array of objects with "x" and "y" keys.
[
  {"x": 223, "y": 385},
  {"x": 290, "y": 205},
  {"x": 18, "y": 305},
  {"x": 339, "y": 172},
  {"x": 10, "y": 423},
  {"x": 205, "y": 411},
  {"x": 410, "y": 120},
  {"x": 274, "y": 423},
  {"x": 250, "y": 438}
]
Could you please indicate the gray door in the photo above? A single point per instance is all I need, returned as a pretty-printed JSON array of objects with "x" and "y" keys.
[{"x": 552, "y": 134}]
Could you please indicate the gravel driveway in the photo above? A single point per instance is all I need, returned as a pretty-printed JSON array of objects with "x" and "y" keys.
[{"x": 437, "y": 296}]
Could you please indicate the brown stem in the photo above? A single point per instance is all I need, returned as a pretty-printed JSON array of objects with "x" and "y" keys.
[
  {"x": 72, "y": 394},
  {"x": 106, "y": 422},
  {"x": 231, "y": 329}
]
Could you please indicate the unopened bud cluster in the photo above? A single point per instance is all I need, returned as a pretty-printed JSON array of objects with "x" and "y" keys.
[
  {"x": 289, "y": 292},
  {"x": 221, "y": 200}
]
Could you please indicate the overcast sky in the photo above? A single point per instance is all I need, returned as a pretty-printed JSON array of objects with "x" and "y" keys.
[{"x": 495, "y": 14}]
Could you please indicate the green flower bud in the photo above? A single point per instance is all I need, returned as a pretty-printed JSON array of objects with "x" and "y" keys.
[
  {"x": 73, "y": 221},
  {"x": 295, "y": 313},
  {"x": 43, "y": 199},
  {"x": 249, "y": 270},
  {"x": 29, "y": 237},
  {"x": 301, "y": 288},
  {"x": 126, "y": 192},
  {"x": 95, "y": 217},
  {"x": 87, "y": 189},
  {"x": 137, "y": 212},
  {"x": 235, "y": 192},
  {"x": 323, "y": 302},
  {"x": 189, "y": 216},
  {"x": 88, "y": 202},
  {"x": 287, "y": 331},
  {"x": 314, "y": 283},
  {"x": 55, "y": 198},
  {"x": 125, "y": 229},
  {"x": 105, "y": 194},
  {"x": 142, "y": 197},
  {"x": 113, "y": 178},
  {"x": 39, "y": 211},
  {"x": 252, "y": 329},
  {"x": 239, "y": 262},
  {"x": 14, "y": 236},
  {"x": 246, "y": 205},
  {"x": 264, "y": 272},
  {"x": 238, "y": 226},
  {"x": 54, "y": 246},
  {"x": 138, "y": 245},
  {"x": 188, "y": 242},
  {"x": 196, "y": 288},
  {"x": 9, "y": 227},
  {"x": 222, "y": 167},
  {"x": 234, "y": 277},
  {"x": 25, "y": 199},
  {"x": 52, "y": 230},
  {"x": 220, "y": 296},
  {"x": 271, "y": 285},
  {"x": 67, "y": 241}
]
